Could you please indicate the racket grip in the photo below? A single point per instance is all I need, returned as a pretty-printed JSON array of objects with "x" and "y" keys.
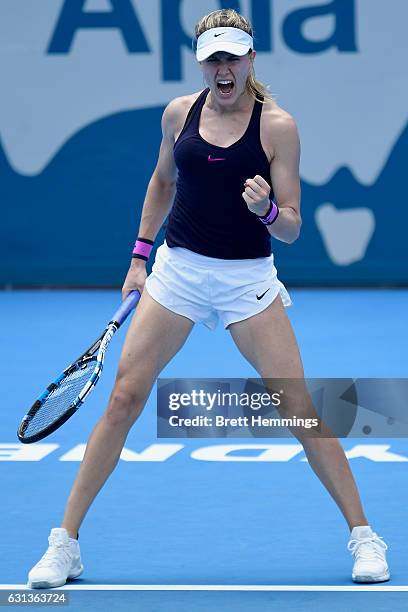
[{"x": 126, "y": 307}]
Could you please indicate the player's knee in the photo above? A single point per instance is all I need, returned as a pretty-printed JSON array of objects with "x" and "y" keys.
[
  {"x": 298, "y": 406},
  {"x": 125, "y": 405}
]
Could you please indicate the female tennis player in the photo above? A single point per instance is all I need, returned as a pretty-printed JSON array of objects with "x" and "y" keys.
[{"x": 228, "y": 174}]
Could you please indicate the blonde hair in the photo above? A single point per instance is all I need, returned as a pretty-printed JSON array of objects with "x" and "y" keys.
[{"x": 225, "y": 18}]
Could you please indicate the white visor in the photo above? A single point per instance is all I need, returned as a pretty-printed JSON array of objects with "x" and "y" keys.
[{"x": 231, "y": 40}]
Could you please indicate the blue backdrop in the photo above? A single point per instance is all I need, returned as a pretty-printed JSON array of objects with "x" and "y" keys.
[{"x": 85, "y": 85}]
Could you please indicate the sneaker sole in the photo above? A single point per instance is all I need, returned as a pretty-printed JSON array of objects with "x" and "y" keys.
[
  {"x": 45, "y": 584},
  {"x": 362, "y": 578}
]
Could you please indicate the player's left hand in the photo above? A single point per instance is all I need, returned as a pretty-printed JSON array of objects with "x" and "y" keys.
[{"x": 256, "y": 195}]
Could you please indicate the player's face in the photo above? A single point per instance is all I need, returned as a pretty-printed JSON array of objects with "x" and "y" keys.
[{"x": 227, "y": 74}]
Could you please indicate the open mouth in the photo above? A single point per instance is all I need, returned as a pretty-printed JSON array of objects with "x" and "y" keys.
[{"x": 225, "y": 87}]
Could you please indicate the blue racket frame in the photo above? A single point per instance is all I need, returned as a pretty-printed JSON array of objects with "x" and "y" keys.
[{"x": 100, "y": 345}]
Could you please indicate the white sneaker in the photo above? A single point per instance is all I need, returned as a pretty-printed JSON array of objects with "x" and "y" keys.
[
  {"x": 61, "y": 561},
  {"x": 368, "y": 551}
]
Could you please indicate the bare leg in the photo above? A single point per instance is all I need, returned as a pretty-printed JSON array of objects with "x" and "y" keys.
[
  {"x": 268, "y": 342},
  {"x": 154, "y": 336}
]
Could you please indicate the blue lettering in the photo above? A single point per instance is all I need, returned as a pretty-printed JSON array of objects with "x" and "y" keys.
[
  {"x": 122, "y": 17},
  {"x": 261, "y": 19},
  {"x": 343, "y": 36}
]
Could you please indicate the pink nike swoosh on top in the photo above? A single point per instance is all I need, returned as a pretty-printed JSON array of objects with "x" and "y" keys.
[{"x": 212, "y": 159}]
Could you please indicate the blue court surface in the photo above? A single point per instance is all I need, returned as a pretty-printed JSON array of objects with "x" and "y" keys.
[{"x": 172, "y": 530}]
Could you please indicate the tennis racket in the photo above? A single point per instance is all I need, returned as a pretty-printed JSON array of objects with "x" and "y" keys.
[{"x": 64, "y": 396}]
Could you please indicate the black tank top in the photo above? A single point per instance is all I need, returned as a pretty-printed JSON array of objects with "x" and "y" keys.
[{"x": 209, "y": 215}]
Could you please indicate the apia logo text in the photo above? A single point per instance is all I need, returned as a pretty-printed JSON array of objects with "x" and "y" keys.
[{"x": 124, "y": 18}]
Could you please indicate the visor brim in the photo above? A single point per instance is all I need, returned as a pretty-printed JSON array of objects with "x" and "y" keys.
[{"x": 228, "y": 47}]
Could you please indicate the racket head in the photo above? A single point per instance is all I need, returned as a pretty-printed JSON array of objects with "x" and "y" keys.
[{"x": 61, "y": 399}]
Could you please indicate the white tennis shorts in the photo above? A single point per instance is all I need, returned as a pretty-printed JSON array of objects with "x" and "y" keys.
[{"x": 205, "y": 289}]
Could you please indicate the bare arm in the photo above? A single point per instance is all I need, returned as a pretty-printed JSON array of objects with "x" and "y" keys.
[
  {"x": 285, "y": 179},
  {"x": 162, "y": 185},
  {"x": 284, "y": 171},
  {"x": 159, "y": 197}
]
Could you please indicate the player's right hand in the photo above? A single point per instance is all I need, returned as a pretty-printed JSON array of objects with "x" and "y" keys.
[{"x": 135, "y": 278}]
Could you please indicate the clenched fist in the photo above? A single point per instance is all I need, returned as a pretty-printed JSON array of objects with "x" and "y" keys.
[{"x": 256, "y": 195}]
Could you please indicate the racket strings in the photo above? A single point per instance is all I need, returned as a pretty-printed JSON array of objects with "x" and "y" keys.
[{"x": 61, "y": 398}]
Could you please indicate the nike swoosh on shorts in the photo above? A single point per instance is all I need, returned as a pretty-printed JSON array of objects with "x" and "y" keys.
[{"x": 259, "y": 297}]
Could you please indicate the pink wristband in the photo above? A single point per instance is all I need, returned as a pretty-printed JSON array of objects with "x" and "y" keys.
[
  {"x": 142, "y": 249},
  {"x": 271, "y": 215}
]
